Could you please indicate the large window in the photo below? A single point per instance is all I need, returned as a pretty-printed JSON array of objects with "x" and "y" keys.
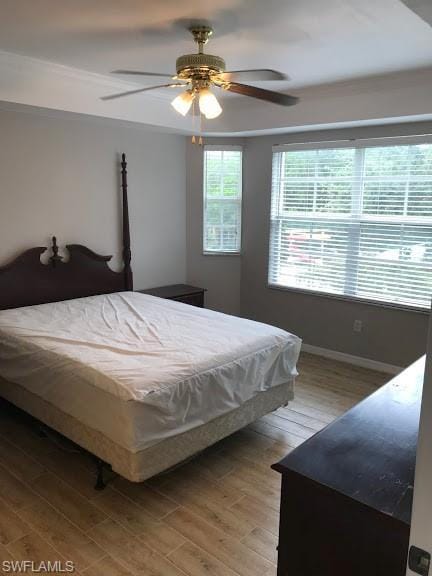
[
  {"x": 222, "y": 199},
  {"x": 354, "y": 221}
]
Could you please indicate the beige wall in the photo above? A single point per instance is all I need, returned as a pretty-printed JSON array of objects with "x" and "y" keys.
[
  {"x": 59, "y": 175},
  {"x": 389, "y": 335}
]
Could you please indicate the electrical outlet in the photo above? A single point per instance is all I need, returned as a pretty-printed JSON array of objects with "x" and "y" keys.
[
  {"x": 357, "y": 326},
  {"x": 419, "y": 561}
]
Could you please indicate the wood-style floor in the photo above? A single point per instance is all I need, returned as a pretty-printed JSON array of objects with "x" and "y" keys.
[{"x": 216, "y": 515}]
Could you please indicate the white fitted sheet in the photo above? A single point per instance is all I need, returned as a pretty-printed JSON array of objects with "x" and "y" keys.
[{"x": 138, "y": 368}]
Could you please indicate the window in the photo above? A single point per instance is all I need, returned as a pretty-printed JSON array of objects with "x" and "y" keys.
[
  {"x": 222, "y": 199},
  {"x": 355, "y": 222}
]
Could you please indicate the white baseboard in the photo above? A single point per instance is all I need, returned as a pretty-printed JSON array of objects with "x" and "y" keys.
[{"x": 350, "y": 359}]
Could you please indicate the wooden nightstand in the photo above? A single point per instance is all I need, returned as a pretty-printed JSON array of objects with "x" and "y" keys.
[{"x": 181, "y": 292}]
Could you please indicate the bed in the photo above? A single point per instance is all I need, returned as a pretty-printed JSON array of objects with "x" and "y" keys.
[{"x": 141, "y": 382}]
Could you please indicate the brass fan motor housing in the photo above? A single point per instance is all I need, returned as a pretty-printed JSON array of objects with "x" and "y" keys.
[{"x": 199, "y": 66}]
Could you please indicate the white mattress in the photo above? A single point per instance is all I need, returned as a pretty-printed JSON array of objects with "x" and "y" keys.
[{"x": 138, "y": 368}]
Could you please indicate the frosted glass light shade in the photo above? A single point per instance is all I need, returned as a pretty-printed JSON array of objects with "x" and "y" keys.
[
  {"x": 208, "y": 104},
  {"x": 183, "y": 102}
]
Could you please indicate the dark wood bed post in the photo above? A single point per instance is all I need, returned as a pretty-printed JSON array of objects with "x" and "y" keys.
[{"x": 126, "y": 230}]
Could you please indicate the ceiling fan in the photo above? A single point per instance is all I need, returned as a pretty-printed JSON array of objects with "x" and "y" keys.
[{"x": 200, "y": 72}]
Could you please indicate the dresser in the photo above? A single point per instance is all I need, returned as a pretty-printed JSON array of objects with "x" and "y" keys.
[
  {"x": 180, "y": 292},
  {"x": 347, "y": 491}
]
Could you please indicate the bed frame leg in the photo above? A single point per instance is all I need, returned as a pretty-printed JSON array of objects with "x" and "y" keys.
[{"x": 100, "y": 483}]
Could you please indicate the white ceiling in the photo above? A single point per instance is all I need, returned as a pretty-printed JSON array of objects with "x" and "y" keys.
[{"x": 314, "y": 41}]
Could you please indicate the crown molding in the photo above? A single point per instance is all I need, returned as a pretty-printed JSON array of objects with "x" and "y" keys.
[
  {"x": 14, "y": 108},
  {"x": 41, "y": 84},
  {"x": 396, "y": 97},
  {"x": 26, "y": 64},
  {"x": 390, "y": 98}
]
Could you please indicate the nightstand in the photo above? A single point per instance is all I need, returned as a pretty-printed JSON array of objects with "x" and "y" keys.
[{"x": 180, "y": 292}]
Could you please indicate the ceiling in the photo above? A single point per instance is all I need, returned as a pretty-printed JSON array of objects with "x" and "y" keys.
[{"x": 315, "y": 42}]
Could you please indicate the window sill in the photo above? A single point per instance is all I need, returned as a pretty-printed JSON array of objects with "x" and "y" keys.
[
  {"x": 352, "y": 299},
  {"x": 221, "y": 253}
]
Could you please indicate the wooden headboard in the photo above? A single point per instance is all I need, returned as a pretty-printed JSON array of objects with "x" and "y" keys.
[{"x": 26, "y": 281}]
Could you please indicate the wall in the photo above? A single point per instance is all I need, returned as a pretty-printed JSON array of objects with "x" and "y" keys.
[
  {"x": 392, "y": 336},
  {"x": 60, "y": 175},
  {"x": 221, "y": 275}
]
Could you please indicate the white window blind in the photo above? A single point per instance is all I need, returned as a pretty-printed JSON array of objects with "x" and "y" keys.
[
  {"x": 222, "y": 199},
  {"x": 355, "y": 222}
]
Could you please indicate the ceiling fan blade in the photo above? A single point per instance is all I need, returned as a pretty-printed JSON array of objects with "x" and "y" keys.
[
  {"x": 130, "y": 92},
  {"x": 261, "y": 94},
  {"x": 252, "y": 75},
  {"x": 139, "y": 73}
]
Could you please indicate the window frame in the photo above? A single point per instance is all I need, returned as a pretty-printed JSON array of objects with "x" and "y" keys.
[
  {"x": 358, "y": 143},
  {"x": 239, "y": 200}
]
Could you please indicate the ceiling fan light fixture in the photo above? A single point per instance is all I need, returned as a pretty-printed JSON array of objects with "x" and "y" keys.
[
  {"x": 200, "y": 71},
  {"x": 183, "y": 102},
  {"x": 208, "y": 104}
]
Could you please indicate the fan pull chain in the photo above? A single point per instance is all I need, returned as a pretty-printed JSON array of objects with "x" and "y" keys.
[{"x": 200, "y": 141}]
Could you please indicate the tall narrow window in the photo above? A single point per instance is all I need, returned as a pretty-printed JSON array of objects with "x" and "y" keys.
[
  {"x": 354, "y": 221},
  {"x": 222, "y": 200}
]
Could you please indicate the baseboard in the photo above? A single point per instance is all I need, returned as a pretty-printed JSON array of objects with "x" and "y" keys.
[{"x": 350, "y": 359}]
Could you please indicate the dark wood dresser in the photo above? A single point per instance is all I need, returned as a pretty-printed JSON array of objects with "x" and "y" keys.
[
  {"x": 181, "y": 292},
  {"x": 347, "y": 491}
]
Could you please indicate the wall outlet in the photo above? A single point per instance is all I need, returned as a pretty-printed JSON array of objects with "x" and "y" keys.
[
  {"x": 419, "y": 561},
  {"x": 358, "y": 326}
]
